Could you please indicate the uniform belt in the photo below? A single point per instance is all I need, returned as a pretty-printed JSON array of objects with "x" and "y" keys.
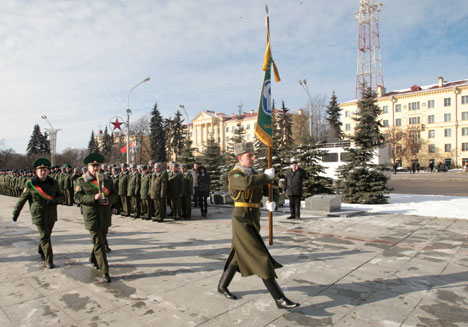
[{"x": 246, "y": 205}]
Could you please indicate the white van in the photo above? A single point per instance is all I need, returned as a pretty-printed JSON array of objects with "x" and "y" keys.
[{"x": 337, "y": 156}]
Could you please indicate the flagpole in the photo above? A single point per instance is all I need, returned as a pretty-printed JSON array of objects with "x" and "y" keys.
[{"x": 270, "y": 186}]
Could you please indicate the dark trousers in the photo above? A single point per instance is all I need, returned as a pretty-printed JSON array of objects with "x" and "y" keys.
[
  {"x": 186, "y": 206},
  {"x": 195, "y": 196},
  {"x": 45, "y": 243},
  {"x": 125, "y": 200},
  {"x": 98, "y": 254},
  {"x": 295, "y": 205},
  {"x": 203, "y": 204}
]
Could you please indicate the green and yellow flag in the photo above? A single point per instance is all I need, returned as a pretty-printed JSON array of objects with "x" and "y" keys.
[{"x": 264, "y": 127}]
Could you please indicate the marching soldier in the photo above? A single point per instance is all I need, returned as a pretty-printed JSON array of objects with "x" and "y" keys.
[
  {"x": 123, "y": 185},
  {"x": 174, "y": 190},
  {"x": 249, "y": 255},
  {"x": 95, "y": 193},
  {"x": 43, "y": 194},
  {"x": 187, "y": 190},
  {"x": 115, "y": 181},
  {"x": 68, "y": 185},
  {"x": 158, "y": 191}
]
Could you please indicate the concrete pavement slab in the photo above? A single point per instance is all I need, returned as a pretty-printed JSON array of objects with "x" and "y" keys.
[{"x": 370, "y": 270}]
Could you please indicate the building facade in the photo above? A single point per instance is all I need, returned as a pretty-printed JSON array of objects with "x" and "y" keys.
[
  {"x": 222, "y": 128},
  {"x": 436, "y": 115}
]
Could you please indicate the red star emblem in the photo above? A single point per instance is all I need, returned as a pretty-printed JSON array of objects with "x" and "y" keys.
[{"x": 117, "y": 124}]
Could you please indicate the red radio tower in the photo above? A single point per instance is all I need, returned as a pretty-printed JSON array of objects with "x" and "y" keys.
[{"x": 369, "y": 65}]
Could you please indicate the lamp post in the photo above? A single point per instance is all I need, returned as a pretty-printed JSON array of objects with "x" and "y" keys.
[
  {"x": 52, "y": 139},
  {"x": 129, "y": 112},
  {"x": 303, "y": 83}
]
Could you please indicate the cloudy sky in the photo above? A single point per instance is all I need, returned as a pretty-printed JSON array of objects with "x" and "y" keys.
[{"x": 76, "y": 60}]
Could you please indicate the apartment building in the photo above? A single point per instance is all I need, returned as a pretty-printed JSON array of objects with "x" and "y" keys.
[{"x": 438, "y": 112}]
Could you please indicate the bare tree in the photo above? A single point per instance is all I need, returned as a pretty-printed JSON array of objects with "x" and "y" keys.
[{"x": 140, "y": 130}]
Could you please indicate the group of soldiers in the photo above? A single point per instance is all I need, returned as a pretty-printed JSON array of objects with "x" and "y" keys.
[{"x": 143, "y": 190}]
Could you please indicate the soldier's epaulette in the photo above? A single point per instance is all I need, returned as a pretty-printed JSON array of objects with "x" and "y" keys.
[{"x": 236, "y": 172}]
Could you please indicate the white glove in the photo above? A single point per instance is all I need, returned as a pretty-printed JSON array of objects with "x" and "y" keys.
[
  {"x": 270, "y": 172},
  {"x": 271, "y": 206}
]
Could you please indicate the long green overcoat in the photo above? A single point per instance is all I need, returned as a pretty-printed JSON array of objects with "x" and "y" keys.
[
  {"x": 95, "y": 216},
  {"x": 248, "y": 251},
  {"x": 42, "y": 212}
]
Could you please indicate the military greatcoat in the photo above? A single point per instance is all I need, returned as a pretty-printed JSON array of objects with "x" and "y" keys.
[{"x": 249, "y": 252}]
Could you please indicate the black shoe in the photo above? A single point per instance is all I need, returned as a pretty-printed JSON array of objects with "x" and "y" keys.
[
  {"x": 107, "y": 248},
  {"x": 225, "y": 280},
  {"x": 106, "y": 278},
  {"x": 50, "y": 265},
  {"x": 285, "y": 303},
  {"x": 42, "y": 256},
  {"x": 291, "y": 217}
]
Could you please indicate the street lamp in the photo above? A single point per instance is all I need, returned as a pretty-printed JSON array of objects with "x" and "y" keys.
[
  {"x": 303, "y": 83},
  {"x": 52, "y": 139},
  {"x": 129, "y": 112}
]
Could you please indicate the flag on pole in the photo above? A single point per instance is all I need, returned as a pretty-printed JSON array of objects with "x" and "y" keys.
[
  {"x": 264, "y": 127},
  {"x": 123, "y": 150}
]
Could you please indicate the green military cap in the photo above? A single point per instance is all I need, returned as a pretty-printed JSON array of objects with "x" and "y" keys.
[
  {"x": 94, "y": 159},
  {"x": 41, "y": 163},
  {"x": 174, "y": 164},
  {"x": 133, "y": 165},
  {"x": 123, "y": 164},
  {"x": 66, "y": 166},
  {"x": 159, "y": 165},
  {"x": 240, "y": 148},
  {"x": 185, "y": 166}
]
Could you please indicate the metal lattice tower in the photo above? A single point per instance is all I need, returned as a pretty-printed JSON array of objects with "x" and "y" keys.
[{"x": 369, "y": 65}]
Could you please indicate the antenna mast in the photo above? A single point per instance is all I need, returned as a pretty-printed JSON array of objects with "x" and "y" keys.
[{"x": 369, "y": 65}]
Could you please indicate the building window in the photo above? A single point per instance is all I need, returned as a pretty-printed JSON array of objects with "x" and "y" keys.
[
  {"x": 385, "y": 123},
  {"x": 348, "y": 127},
  {"x": 233, "y": 128},
  {"x": 248, "y": 137},
  {"x": 430, "y": 119},
  {"x": 227, "y": 129},
  {"x": 430, "y": 104},
  {"x": 447, "y": 132},
  {"x": 448, "y": 147},
  {"x": 415, "y": 120},
  {"x": 398, "y": 108},
  {"x": 413, "y": 106},
  {"x": 465, "y": 99},
  {"x": 431, "y": 134},
  {"x": 464, "y": 146},
  {"x": 447, "y": 102},
  {"x": 227, "y": 139},
  {"x": 248, "y": 126},
  {"x": 448, "y": 117},
  {"x": 346, "y": 114},
  {"x": 385, "y": 109},
  {"x": 398, "y": 122},
  {"x": 465, "y": 131},
  {"x": 431, "y": 148},
  {"x": 465, "y": 115}
]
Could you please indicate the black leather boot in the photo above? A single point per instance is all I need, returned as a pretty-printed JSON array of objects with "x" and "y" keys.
[
  {"x": 282, "y": 302},
  {"x": 225, "y": 280}
]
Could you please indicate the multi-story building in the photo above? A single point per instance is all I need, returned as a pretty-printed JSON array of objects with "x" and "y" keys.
[
  {"x": 222, "y": 127},
  {"x": 438, "y": 115}
]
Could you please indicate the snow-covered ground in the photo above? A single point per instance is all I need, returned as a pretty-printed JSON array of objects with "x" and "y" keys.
[{"x": 415, "y": 204}]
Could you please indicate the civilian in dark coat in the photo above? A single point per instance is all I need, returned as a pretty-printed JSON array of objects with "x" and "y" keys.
[
  {"x": 203, "y": 190},
  {"x": 293, "y": 186}
]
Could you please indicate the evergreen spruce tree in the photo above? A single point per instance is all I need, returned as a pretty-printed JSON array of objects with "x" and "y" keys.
[
  {"x": 93, "y": 146},
  {"x": 237, "y": 137},
  {"x": 177, "y": 135},
  {"x": 157, "y": 136},
  {"x": 309, "y": 158},
  {"x": 186, "y": 155},
  {"x": 284, "y": 138},
  {"x": 106, "y": 145},
  {"x": 38, "y": 142},
  {"x": 333, "y": 117},
  {"x": 361, "y": 180},
  {"x": 213, "y": 161}
]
